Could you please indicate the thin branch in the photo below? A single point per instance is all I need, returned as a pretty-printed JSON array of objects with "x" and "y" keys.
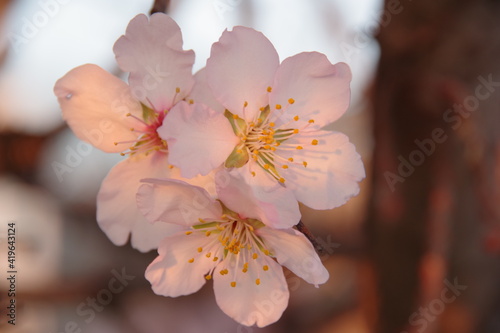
[
  {"x": 303, "y": 229},
  {"x": 160, "y": 6}
]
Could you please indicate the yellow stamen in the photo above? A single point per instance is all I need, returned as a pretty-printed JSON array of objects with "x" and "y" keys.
[
  {"x": 191, "y": 101},
  {"x": 282, "y": 180},
  {"x": 245, "y": 104},
  {"x": 255, "y": 256},
  {"x": 314, "y": 142},
  {"x": 304, "y": 163},
  {"x": 291, "y": 100},
  {"x": 311, "y": 121},
  {"x": 233, "y": 284},
  {"x": 177, "y": 90},
  {"x": 296, "y": 118},
  {"x": 191, "y": 260},
  {"x": 278, "y": 106},
  {"x": 208, "y": 254},
  {"x": 299, "y": 147},
  {"x": 290, "y": 159},
  {"x": 265, "y": 267},
  {"x": 189, "y": 232},
  {"x": 269, "y": 89},
  {"x": 208, "y": 277},
  {"x": 284, "y": 166},
  {"x": 200, "y": 249},
  {"x": 257, "y": 282},
  {"x": 295, "y": 131}
]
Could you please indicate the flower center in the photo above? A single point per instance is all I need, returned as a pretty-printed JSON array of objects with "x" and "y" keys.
[
  {"x": 148, "y": 139},
  {"x": 266, "y": 143},
  {"x": 233, "y": 243}
]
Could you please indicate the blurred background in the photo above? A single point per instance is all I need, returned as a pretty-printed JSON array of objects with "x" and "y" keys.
[{"x": 418, "y": 249}]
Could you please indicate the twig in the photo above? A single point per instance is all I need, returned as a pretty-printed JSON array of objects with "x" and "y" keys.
[
  {"x": 317, "y": 246},
  {"x": 160, "y": 6}
]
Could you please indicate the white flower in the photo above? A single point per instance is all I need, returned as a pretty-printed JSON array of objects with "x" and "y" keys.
[
  {"x": 235, "y": 241},
  {"x": 268, "y": 125},
  {"x": 119, "y": 118}
]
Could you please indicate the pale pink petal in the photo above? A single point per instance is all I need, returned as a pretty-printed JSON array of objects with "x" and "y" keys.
[
  {"x": 117, "y": 212},
  {"x": 171, "y": 273},
  {"x": 248, "y": 303},
  {"x": 240, "y": 69},
  {"x": 333, "y": 170},
  {"x": 275, "y": 207},
  {"x": 151, "y": 50},
  {"x": 199, "y": 139},
  {"x": 175, "y": 201},
  {"x": 294, "y": 251},
  {"x": 320, "y": 90},
  {"x": 95, "y": 103},
  {"x": 201, "y": 92}
]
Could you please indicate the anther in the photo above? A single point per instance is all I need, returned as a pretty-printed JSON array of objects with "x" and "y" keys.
[
  {"x": 296, "y": 118},
  {"x": 295, "y": 131},
  {"x": 255, "y": 256},
  {"x": 314, "y": 142},
  {"x": 257, "y": 282},
  {"x": 290, "y": 159},
  {"x": 245, "y": 104},
  {"x": 208, "y": 254},
  {"x": 177, "y": 90},
  {"x": 278, "y": 106},
  {"x": 216, "y": 258},
  {"x": 291, "y": 100},
  {"x": 191, "y": 101},
  {"x": 284, "y": 166},
  {"x": 299, "y": 147},
  {"x": 265, "y": 267},
  {"x": 200, "y": 249},
  {"x": 189, "y": 232},
  {"x": 208, "y": 277},
  {"x": 233, "y": 284},
  {"x": 269, "y": 89},
  {"x": 311, "y": 121},
  {"x": 191, "y": 260},
  {"x": 304, "y": 163},
  {"x": 282, "y": 180},
  {"x": 201, "y": 220}
]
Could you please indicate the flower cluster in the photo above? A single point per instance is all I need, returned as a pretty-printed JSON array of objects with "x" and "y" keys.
[{"x": 217, "y": 162}]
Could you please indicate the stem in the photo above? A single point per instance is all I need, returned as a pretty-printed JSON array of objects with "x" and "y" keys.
[
  {"x": 303, "y": 229},
  {"x": 160, "y": 6}
]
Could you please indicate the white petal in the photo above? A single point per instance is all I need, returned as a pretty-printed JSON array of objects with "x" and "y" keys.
[
  {"x": 275, "y": 206},
  {"x": 201, "y": 92},
  {"x": 175, "y": 201},
  {"x": 151, "y": 50},
  {"x": 240, "y": 69},
  {"x": 319, "y": 89},
  {"x": 248, "y": 303},
  {"x": 171, "y": 273},
  {"x": 117, "y": 212},
  {"x": 94, "y": 103},
  {"x": 333, "y": 170},
  {"x": 199, "y": 139},
  {"x": 294, "y": 251}
]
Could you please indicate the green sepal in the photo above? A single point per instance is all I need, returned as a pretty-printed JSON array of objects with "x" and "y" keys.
[
  {"x": 239, "y": 125},
  {"x": 238, "y": 157},
  {"x": 147, "y": 113}
]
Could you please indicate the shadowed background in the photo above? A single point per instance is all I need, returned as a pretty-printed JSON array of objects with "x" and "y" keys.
[{"x": 425, "y": 217}]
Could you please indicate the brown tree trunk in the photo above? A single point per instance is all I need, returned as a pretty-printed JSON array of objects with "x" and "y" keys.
[{"x": 435, "y": 211}]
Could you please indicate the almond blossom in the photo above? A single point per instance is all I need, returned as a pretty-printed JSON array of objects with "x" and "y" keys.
[
  {"x": 118, "y": 118},
  {"x": 239, "y": 240},
  {"x": 266, "y": 124}
]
